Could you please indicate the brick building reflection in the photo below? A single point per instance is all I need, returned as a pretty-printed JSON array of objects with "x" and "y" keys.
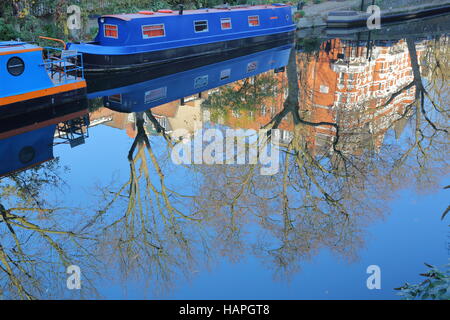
[
  {"x": 347, "y": 82},
  {"x": 352, "y": 85},
  {"x": 180, "y": 114}
]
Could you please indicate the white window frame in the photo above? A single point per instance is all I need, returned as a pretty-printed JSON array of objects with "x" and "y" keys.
[
  {"x": 104, "y": 30},
  {"x": 324, "y": 89},
  {"x": 263, "y": 110},
  {"x": 144, "y": 36},
  {"x": 207, "y": 26},
  {"x": 225, "y": 74},
  {"x": 250, "y": 25},
  {"x": 147, "y": 94},
  {"x": 255, "y": 63},
  {"x": 204, "y": 83},
  {"x": 226, "y": 20}
]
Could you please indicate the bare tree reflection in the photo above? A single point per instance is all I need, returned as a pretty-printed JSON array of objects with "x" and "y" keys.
[
  {"x": 155, "y": 237},
  {"x": 322, "y": 198},
  {"x": 38, "y": 241}
]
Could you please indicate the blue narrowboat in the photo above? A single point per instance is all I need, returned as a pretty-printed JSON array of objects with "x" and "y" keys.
[
  {"x": 27, "y": 140},
  {"x": 129, "y": 41},
  {"x": 33, "y": 77},
  {"x": 155, "y": 92},
  {"x": 26, "y": 150}
]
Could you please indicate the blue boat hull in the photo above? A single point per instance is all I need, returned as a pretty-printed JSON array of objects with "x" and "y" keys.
[
  {"x": 40, "y": 115},
  {"x": 103, "y": 81},
  {"x": 126, "y": 62}
]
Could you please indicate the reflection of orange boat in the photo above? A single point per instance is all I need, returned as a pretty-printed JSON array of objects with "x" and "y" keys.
[
  {"x": 30, "y": 81},
  {"x": 27, "y": 141}
]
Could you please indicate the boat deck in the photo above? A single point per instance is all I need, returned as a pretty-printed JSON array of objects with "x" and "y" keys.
[
  {"x": 65, "y": 67},
  {"x": 60, "y": 76}
]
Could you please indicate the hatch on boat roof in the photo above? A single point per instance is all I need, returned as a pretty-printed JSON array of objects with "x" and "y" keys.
[
  {"x": 124, "y": 17},
  {"x": 165, "y": 12}
]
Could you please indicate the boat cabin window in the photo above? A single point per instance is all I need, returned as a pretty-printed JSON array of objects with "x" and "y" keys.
[
  {"x": 152, "y": 31},
  {"x": 115, "y": 98},
  {"x": 201, "y": 26},
  {"x": 111, "y": 31},
  {"x": 252, "y": 66},
  {"x": 155, "y": 94},
  {"x": 225, "y": 23},
  {"x": 27, "y": 154},
  {"x": 201, "y": 81},
  {"x": 225, "y": 74},
  {"x": 15, "y": 66},
  {"x": 253, "y": 21}
]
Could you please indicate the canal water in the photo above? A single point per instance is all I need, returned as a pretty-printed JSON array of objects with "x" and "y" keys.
[{"x": 354, "y": 180}]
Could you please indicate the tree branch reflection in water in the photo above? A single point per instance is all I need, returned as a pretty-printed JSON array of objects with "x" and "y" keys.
[
  {"x": 166, "y": 221},
  {"x": 39, "y": 240}
]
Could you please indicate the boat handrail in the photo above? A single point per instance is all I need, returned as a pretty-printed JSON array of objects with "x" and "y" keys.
[
  {"x": 65, "y": 67},
  {"x": 54, "y": 39}
]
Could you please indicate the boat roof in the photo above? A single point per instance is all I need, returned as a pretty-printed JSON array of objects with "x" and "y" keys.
[
  {"x": 133, "y": 16},
  {"x": 7, "y": 47}
]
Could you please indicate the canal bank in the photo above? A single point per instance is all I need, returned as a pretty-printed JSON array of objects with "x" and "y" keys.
[{"x": 317, "y": 15}]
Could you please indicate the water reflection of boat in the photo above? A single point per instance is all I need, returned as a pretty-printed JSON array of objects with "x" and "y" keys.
[
  {"x": 348, "y": 19},
  {"x": 145, "y": 95},
  {"x": 30, "y": 81},
  {"x": 130, "y": 41},
  {"x": 105, "y": 81},
  {"x": 27, "y": 141},
  {"x": 428, "y": 27}
]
